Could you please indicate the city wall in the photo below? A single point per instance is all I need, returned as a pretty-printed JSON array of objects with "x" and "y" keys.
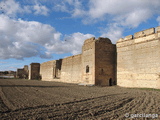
[
  {"x": 71, "y": 69},
  {"x": 96, "y": 65},
  {"x": 22, "y": 73},
  {"x": 63, "y": 70},
  {"x": 50, "y": 70},
  {"x": 138, "y": 59},
  {"x": 47, "y": 70},
  {"x": 133, "y": 62}
]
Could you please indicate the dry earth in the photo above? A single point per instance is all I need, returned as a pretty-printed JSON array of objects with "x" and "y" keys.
[{"x": 24, "y": 99}]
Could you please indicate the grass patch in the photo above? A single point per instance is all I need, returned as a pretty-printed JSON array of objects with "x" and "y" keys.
[
  {"x": 149, "y": 89},
  {"x": 152, "y": 89}
]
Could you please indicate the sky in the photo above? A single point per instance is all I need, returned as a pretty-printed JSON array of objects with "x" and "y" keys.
[{"x": 44, "y": 30}]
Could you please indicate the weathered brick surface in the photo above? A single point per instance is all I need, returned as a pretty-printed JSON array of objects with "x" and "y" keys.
[
  {"x": 46, "y": 70},
  {"x": 34, "y": 71},
  {"x": 144, "y": 33},
  {"x": 105, "y": 62},
  {"x": 22, "y": 73},
  {"x": 88, "y": 61},
  {"x": 63, "y": 70},
  {"x": 138, "y": 60},
  {"x": 99, "y": 54},
  {"x": 71, "y": 69},
  {"x": 51, "y": 70},
  {"x": 133, "y": 62}
]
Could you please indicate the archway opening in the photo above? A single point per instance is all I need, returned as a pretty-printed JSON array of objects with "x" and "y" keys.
[{"x": 110, "y": 82}]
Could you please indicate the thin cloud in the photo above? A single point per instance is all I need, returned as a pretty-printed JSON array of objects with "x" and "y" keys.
[
  {"x": 113, "y": 32},
  {"x": 2, "y": 62},
  {"x": 40, "y": 9},
  {"x": 158, "y": 20},
  {"x": 12, "y": 8}
]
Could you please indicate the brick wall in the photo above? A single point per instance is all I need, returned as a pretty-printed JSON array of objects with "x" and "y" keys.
[{"x": 138, "y": 59}]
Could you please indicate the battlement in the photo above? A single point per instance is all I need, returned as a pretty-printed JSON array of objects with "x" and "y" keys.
[
  {"x": 101, "y": 39},
  {"x": 70, "y": 57},
  {"x": 147, "y": 34},
  {"x": 89, "y": 40},
  {"x": 48, "y": 61}
]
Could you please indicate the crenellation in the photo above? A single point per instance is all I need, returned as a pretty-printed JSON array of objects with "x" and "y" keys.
[
  {"x": 100, "y": 39},
  {"x": 129, "y": 37},
  {"x": 120, "y": 40},
  {"x": 146, "y": 38},
  {"x": 139, "y": 34},
  {"x": 142, "y": 36},
  {"x": 158, "y": 29},
  {"x": 87, "y": 41}
]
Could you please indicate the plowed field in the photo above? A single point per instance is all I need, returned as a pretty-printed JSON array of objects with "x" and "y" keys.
[{"x": 26, "y": 99}]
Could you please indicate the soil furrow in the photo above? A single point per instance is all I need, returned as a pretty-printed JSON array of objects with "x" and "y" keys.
[{"x": 22, "y": 99}]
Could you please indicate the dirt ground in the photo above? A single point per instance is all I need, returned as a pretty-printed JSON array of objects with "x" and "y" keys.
[{"x": 26, "y": 99}]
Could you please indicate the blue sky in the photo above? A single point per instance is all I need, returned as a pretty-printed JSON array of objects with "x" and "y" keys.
[{"x": 43, "y": 30}]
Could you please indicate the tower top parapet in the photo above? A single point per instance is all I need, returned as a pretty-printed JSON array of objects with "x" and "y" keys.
[
  {"x": 100, "y": 39},
  {"x": 140, "y": 34}
]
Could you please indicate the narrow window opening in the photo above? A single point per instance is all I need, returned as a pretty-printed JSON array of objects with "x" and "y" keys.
[
  {"x": 102, "y": 71},
  {"x": 87, "y": 69}
]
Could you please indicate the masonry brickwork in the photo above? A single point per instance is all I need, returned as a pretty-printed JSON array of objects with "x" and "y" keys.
[
  {"x": 133, "y": 62},
  {"x": 22, "y": 73},
  {"x": 81, "y": 68},
  {"x": 34, "y": 71},
  {"x": 51, "y": 70},
  {"x": 88, "y": 61},
  {"x": 71, "y": 69},
  {"x": 138, "y": 59},
  {"x": 105, "y": 62}
]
